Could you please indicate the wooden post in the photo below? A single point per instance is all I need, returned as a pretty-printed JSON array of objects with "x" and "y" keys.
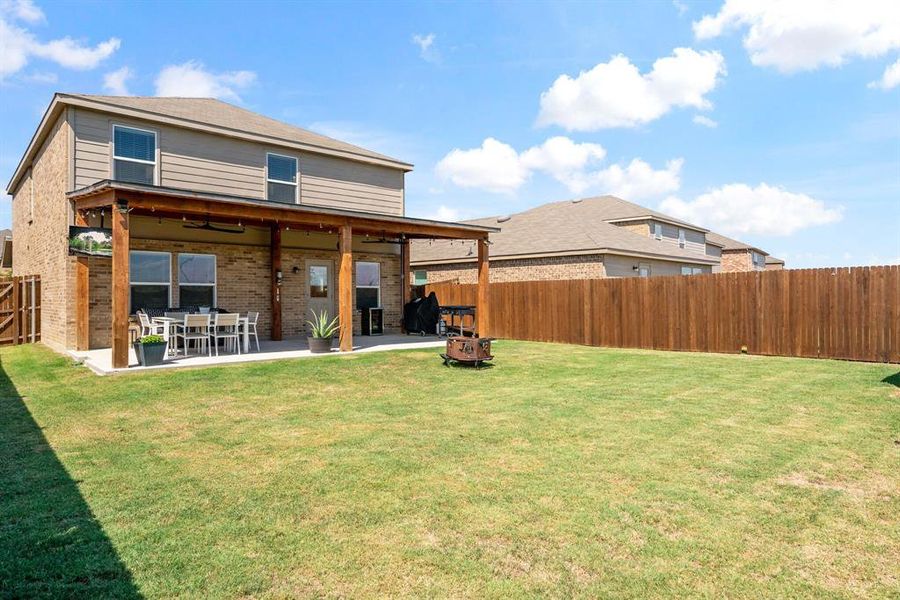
[
  {"x": 82, "y": 295},
  {"x": 277, "y": 275},
  {"x": 16, "y": 301},
  {"x": 120, "y": 287},
  {"x": 482, "y": 312},
  {"x": 345, "y": 288},
  {"x": 404, "y": 277}
]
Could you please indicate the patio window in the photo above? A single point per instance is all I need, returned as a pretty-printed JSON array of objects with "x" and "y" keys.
[
  {"x": 134, "y": 155},
  {"x": 150, "y": 277},
  {"x": 281, "y": 178},
  {"x": 196, "y": 280},
  {"x": 368, "y": 284}
]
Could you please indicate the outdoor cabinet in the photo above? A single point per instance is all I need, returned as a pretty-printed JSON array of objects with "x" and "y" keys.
[{"x": 373, "y": 321}]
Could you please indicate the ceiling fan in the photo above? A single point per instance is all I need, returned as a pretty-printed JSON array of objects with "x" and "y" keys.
[{"x": 207, "y": 226}]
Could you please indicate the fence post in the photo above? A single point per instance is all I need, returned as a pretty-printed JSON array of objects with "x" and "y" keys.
[
  {"x": 15, "y": 313},
  {"x": 33, "y": 311}
]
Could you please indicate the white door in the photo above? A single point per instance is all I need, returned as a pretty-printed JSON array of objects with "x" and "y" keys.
[{"x": 319, "y": 288}]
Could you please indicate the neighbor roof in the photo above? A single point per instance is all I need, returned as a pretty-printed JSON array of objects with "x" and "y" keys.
[
  {"x": 206, "y": 114},
  {"x": 728, "y": 243},
  {"x": 771, "y": 260},
  {"x": 5, "y": 248},
  {"x": 569, "y": 227}
]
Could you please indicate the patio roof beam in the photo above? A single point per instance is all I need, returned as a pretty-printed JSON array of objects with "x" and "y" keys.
[
  {"x": 482, "y": 298},
  {"x": 277, "y": 276},
  {"x": 164, "y": 205},
  {"x": 120, "y": 287},
  {"x": 345, "y": 288}
]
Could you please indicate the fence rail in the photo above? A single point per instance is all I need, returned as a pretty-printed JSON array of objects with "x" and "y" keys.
[
  {"x": 20, "y": 310},
  {"x": 845, "y": 313}
]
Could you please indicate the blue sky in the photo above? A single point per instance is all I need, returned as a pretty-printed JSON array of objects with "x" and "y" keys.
[{"x": 777, "y": 125}]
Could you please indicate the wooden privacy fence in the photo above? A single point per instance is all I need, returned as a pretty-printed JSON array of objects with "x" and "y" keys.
[
  {"x": 20, "y": 310},
  {"x": 846, "y": 313}
]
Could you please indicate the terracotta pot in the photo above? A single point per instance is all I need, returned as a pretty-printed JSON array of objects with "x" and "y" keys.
[{"x": 319, "y": 345}]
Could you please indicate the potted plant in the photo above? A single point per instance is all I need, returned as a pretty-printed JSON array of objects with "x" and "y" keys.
[
  {"x": 321, "y": 331},
  {"x": 150, "y": 350}
]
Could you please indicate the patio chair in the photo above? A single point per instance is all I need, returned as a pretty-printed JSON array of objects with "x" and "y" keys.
[
  {"x": 252, "y": 319},
  {"x": 194, "y": 328},
  {"x": 150, "y": 328},
  {"x": 225, "y": 327}
]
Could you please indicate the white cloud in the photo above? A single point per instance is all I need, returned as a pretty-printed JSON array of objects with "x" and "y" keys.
[
  {"x": 114, "y": 82},
  {"x": 497, "y": 167},
  {"x": 41, "y": 77},
  {"x": 705, "y": 121},
  {"x": 680, "y": 6},
  {"x": 427, "y": 50},
  {"x": 192, "y": 80},
  {"x": 890, "y": 79},
  {"x": 445, "y": 213},
  {"x": 739, "y": 209},
  {"x": 18, "y": 45},
  {"x": 795, "y": 36},
  {"x": 564, "y": 160},
  {"x": 617, "y": 94},
  {"x": 494, "y": 166},
  {"x": 24, "y": 10}
]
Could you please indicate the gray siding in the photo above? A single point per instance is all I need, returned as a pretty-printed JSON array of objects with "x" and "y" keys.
[
  {"x": 210, "y": 163},
  {"x": 694, "y": 241},
  {"x": 623, "y": 266}
]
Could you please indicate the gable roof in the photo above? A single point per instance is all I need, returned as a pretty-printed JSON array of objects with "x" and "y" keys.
[
  {"x": 203, "y": 114},
  {"x": 569, "y": 227},
  {"x": 728, "y": 243},
  {"x": 771, "y": 260}
]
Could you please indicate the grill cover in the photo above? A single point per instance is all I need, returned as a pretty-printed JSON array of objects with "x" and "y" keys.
[{"x": 422, "y": 315}]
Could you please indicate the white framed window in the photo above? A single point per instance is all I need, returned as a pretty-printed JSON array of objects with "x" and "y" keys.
[
  {"x": 759, "y": 260},
  {"x": 196, "y": 280},
  {"x": 657, "y": 230},
  {"x": 134, "y": 155},
  {"x": 150, "y": 278},
  {"x": 685, "y": 270},
  {"x": 281, "y": 178},
  {"x": 681, "y": 238},
  {"x": 644, "y": 270},
  {"x": 368, "y": 284}
]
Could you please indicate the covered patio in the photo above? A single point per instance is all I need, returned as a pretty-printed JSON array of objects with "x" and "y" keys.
[{"x": 116, "y": 205}]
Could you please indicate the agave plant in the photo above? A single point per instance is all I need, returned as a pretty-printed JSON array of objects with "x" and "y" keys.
[{"x": 321, "y": 327}]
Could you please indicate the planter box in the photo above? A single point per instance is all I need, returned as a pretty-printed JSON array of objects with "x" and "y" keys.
[
  {"x": 150, "y": 355},
  {"x": 319, "y": 345}
]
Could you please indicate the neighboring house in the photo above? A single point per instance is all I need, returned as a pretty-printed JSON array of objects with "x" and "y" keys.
[
  {"x": 774, "y": 264},
  {"x": 738, "y": 256},
  {"x": 208, "y": 204},
  {"x": 5, "y": 250},
  {"x": 583, "y": 239}
]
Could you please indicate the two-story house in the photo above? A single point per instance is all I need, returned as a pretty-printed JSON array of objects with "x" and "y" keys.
[
  {"x": 209, "y": 204},
  {"x": 585, "y": 239}
]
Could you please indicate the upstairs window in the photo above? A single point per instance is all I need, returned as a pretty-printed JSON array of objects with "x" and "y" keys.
[
  {"x": 759, "y": 261},
  {"x": 681, "y": 238},
  {"x": 134, "y": 155},
  {"x": 281, "y": 178},
  {"x": 368, "y": 285},
  {"x": 196, "y": 280},
  {"x": 657, "y": 230}
]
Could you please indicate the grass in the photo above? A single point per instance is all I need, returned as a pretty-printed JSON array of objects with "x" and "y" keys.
[{"x": 562, "y": 471}]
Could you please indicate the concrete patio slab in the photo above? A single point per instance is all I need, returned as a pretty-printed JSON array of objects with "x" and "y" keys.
[{"x": 100, "y": 360}]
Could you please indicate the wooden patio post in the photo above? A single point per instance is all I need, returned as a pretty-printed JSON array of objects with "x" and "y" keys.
[
  {"x": 482, "y": 311},
  {"x": 345, "y": 288},
  {"x": 120, "y": 248},
  {"x": 404, "y": 275},
  {"x": 277, "y": 275},
  {"x": 82, "y": 295}
]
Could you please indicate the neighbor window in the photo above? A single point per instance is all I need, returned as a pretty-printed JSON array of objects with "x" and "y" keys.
[
  {"x": 643, "y": 270},
  {"x": 196, "y": 280},
  {"x": 691, "y": 270},
  {"x": 681, "y": 238},
  {"x": 150, "y": 274},
  {"x": 657, "y": 231},
  {"x": 420, "y": 277},
  {"x": 281, "y": 178},
  {"x": 759, "y": 260},
  {"x": 368, "y": 284},
  {"x": 134, "y": 155}
]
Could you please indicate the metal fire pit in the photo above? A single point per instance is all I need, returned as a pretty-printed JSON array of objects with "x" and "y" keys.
[{"x": 468, "y": 350}]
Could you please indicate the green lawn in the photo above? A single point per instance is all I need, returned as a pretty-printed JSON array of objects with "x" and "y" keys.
[{"x": 561, "y": 471}]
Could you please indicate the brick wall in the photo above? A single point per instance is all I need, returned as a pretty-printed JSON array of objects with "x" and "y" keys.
[
  {"x": 243, "y": 275},
  {"x": 639, "y": 227},
  {"x": 40, "y": 244},
  {"x": 530, "y": 269},
  {"x": 736, "y": 260}
]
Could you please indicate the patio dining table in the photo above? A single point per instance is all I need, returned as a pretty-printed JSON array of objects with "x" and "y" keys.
[{"x": 171, "y": 322}]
